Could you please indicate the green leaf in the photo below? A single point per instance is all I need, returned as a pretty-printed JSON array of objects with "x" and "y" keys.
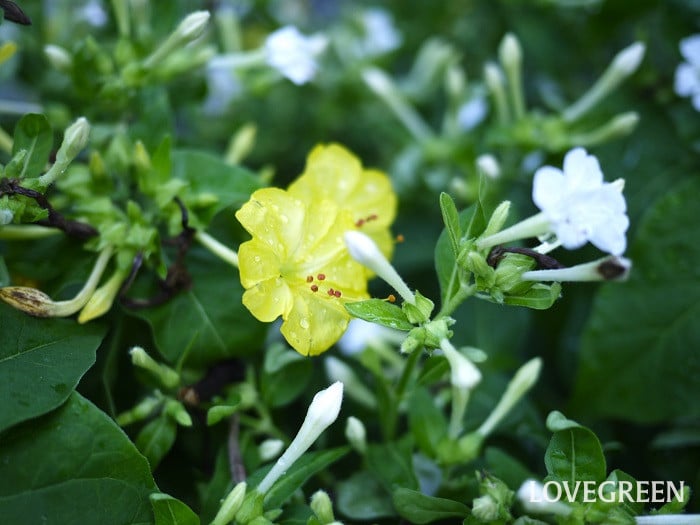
[
  {"x": 170, "y": 511},
  {"x": 4, "y": 274},
  {"x": 445, "y": 258},
  {"x": 207, "y": 174},
  {"x": 74, "y": 465},
  {"x": 392, "y": 463},
  {"x": 574, "y": 453},
  {"x": 419, "y": 508},
  {"x": 639, "y": 349},
  {"x": 219, "y": 412},
  {"x": 34, "y": 135},
  {"x": 208, "y": 322},
  {"x": 450, "y": 216},
  {"x": 362, "y": 497},
  {"x": 426, "y": 420},
  {"x": 305, "y": 467},
  {"x": 156, "y": 438},
  {"x": 292, "y": 373},
  {"x": 41, "y": 362},
  {"x": 380, "y": 312}
]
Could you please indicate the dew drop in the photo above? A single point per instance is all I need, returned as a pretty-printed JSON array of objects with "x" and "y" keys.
[
  {"x": 304, "y": 323},
  {"x": 256, "y": 258},
  {"x": 284, "y": 218}
]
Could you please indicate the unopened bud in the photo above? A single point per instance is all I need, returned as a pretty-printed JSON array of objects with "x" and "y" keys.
[
  {"x": 485, "y": 509},
  {"x": 270, "y": 449},
  {"x": 612, "y": 268},
  {"x": 488, "y": 165},
  {"x": 230, "y": 505},
  {"x": 464, "y": 374},
  {"x": 59, "y": 58},
  {"x": 166, "y": 375},
  {"x": 509, "y": 52},
  {"x": 101, "y": 300},
  {"x": 356, "y": 434},
  {"x": 322, "y": 507},
  {"x": 627, "y": 61},
  {"x": 535, "y": 498},
  {"x": 192, "y": 26}
]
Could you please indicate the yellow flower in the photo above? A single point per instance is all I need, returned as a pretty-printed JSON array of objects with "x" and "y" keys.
[
  {"x": 297, "y": 265},
  {"x": 332, "y": 172}
]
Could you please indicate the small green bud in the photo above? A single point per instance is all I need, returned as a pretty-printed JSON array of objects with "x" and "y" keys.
[
  {"x": 484, "y": 274},
  {"x": 75, "y": 138},
  {"x": 356, "y": 434},
  {"x": 420, "y": 311},
  {"x": 485, "y": 509},
  {"x": 508, "y": 276},
  {"x": 251, "y": 508},
  {"x": 101, "y": 299},
  {"x": 230, "y": 505},
  {"x": 178, "y": 412},
  {"x": 498, "y": 219},
  {"x": 166, "y": 375},
  {"x": 322, "y": 507},
  {"x": 414, "y": 340},
  {"x": 140, "y": 412}
]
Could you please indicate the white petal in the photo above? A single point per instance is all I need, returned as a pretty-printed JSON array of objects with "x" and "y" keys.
[
  {"x": 610, "y": 240},
  {"x": 581, "y": 170},
  {"x": 690, "y": 49},
  {"x": 571, "y": 235},
  {"x": 548, "y": 188},
  {"x": 686, "y": 81},
  {"x": 696, "y": 101}
]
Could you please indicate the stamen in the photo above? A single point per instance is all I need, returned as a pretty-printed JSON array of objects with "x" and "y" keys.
[
  {"x": 321, "y": 276},
  {"x": 309, "y": 278},
  {"x": 314, "y": 288},
  {"x": 359, "y": 223},
  {"x": 400, "y": 238},
  {"x": 337, "y": 293},
  {"x": 331, "y": 292},
  {"x": 372, "y": 217},
  {"x": 391, "y": 298}
]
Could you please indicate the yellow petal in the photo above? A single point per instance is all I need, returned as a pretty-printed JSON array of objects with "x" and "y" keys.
[
  {"x": 257, "y": 262},
  {"x": 275, "y": 217},
  {"x": 268, "y": 300},
  {"x": 314, "y": 323}
]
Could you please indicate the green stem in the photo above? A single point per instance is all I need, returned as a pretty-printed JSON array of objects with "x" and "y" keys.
[
  {"x": 25, "y": 232},
  {"x": 217, "y": 248}
]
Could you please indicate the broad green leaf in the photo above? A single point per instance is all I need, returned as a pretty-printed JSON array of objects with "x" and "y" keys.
[
  {"x": 639, "y": 349},
  {"x": 309, "y": 464},
  {"x": 380, "y": 312},
  {"x": 362, "y": 497},
  {"x": 33, "y": 134},
  {"x": 574, "y": 453},
  {"x": 170, "y": 511},
  {"x": 209, "y": 175},
  {"x": 450, "y": 216},
  {"x": 392, "y": 463},
  {"x": 505, "y": 467},
  {"x": 208, "y": 322},
  {"x": 73, "y": 465},
  {"x": 426, "y": 420},
  {"x": 156, "y": 438},
  {"x": 419, "y": 508},
  {"x": 41, "y": 362}
]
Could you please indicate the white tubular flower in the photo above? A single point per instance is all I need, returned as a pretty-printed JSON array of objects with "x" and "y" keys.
[
  {"x": 580, "y": 206},
  {"x": 464, "y": 374},
  {"x": 535, "y": 498},
  {"x": 687, "y": 79},
  {"x": 294, "y": 54},
  {"x": 323, "y": 411},
  {"x": 610, "y": 268},
  {"x": 363, "y": 249}
]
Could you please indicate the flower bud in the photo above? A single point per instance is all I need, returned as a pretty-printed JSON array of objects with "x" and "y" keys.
[
  {"x": 231, "y": 504},
  {"x": 140, "y": 412},
  {"x": 28, "y": 300},
  {"x": 192, "y": 26},
  {"x": 75, "y": 138},
  {"x": 627, "y": 61},
  {"x": 270, "y": 449},
  {"x": 364, "y": 250},
  {"x": 322, "y": 507},
  {"x": 464, "y": 374},
  {"x": 356, "y": 434},
  {"x": 323, "y": 411},
  {"x": 485, "y": 509},
  {"x": 420, "y": 311},
  {"x": 534, "y": 498},
  {"x": 59, "y": 58},
  {"x": 101, "y": 300},
  {"x": 488, "y": 165},
  {"x": 611, "y": 268},
  {"x": 166, "y": 375},
  {"x": 178, "y": 412},
  {"x": 509, "y": 52}
]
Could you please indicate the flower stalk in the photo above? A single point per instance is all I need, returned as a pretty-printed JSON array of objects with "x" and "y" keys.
[{"x": 216, "y": 247}]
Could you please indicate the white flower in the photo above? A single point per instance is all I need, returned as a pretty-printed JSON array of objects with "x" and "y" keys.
[
  {"x": 294, "y": 54},
  {"x": 223, "y": 85},
  {"x": 381, "y": 35},
  {"x": 687, "y": 80},
  {"x": 580, "y": 206}
]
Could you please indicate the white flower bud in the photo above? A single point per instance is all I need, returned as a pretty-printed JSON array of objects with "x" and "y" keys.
[
  {"x": 627, "y": 61},
  {"x": 356, "y": 434},
  {"x": 270, "y": 449},
  {"x": 488, "y": 165},
  {"x": 535, "y": 498},
  {"x": 193, "y": 25},
  {"x": 612, "y": 268},
  {"x": 363, "y": 249},
  {"x": 58, "y": 57},
  {"x": 231, "y": 504},
  {"x": 464, "y": 374},
  {"x": 509, "y": 52}
]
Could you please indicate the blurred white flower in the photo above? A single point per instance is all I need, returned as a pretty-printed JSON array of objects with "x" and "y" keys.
[
  {"x": 580, "y": 206},
  {"x": 381, "y": 35},
  {"x": 93, "y": 12},
  {"x": 294, "y": 54},
  {"x": 687, "y": 79},
  {"x": 222, "y": 83}
]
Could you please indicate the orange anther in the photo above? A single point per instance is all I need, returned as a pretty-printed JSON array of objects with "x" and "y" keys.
[
  {"x": 337, "y": 293},
  {"x": 391, "y": 298},
  {"x": 309, "y": 278},
  {"x": 314, "y": 288},
  {"x": 321, "y": 276},
  {"x": 400, "y": 238}
]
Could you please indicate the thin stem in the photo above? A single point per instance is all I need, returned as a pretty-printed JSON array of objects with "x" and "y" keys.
[
  {"x": 460, "y": 399},
  {"x": 24, "y": 232},
  {"x": 222, "y": 251},
  {"x": 6, "y": 141}
]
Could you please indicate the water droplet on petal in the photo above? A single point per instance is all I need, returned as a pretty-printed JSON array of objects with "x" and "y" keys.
[
  {"x": 256, "y": 258},
  {"x": 304, "y": 323}
]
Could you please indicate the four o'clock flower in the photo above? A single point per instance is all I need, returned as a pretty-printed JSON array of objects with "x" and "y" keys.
[
  {"x": 687, "y": 79},
  {"x": 294, "y": 54},
  {"x": 577, "y": 206}
]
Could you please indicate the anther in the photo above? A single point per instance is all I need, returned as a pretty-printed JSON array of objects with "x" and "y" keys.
[
  {"x": 337, "y": 293},
  {"x": 359, "y": 223},
  {"x": 372, "y": 217},
  {"x": 400, "y": 238},
  {"x": 309, "y": 278},
  {"x": 321, "y": 276},
  {"x": 314, "y": 288},
  {"x": 391, "y": 298},
  {"x": 331, "y": 292}
]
